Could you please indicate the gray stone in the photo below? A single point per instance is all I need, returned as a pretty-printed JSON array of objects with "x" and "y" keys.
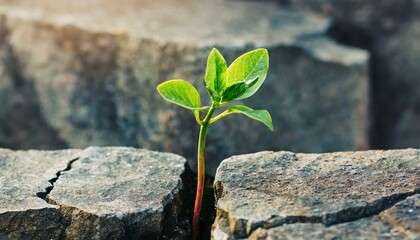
[
  {"x": 21, "y": 121},
  {"x": 376, "y": 17},
  {"x": 398, "y": 95},
  {"x": 348, "y": 195},
  {"x": 23, "y": 175},
  {"x": 404, "y": 217},
  {"x": 120, "y": 193},
  {"x": 401, "y": 221},
  {"x": 95, "y": 70},
  {"x": 389, "y": 29},
  {"x": 97, "y": 193}
]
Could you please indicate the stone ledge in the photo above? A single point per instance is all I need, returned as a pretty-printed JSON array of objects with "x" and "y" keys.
[
  {"x": 127, "y": 193},
  {"x": 347, "y": 195},
  {"x": 107, "y": 193},
  {"x": 23, "y": 174}
]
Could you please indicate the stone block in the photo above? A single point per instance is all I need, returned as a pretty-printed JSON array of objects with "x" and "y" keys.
[
  {"x": 97, "y": 193},
  {"x": 23, "y": 176},
  {"x": 397, "y": 95},
  {"x": 343, "y": 195},
  {"x": 389, "y": 30},
  {"x": 120, "y": 193}
]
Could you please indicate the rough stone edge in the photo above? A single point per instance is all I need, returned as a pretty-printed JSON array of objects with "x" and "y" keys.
[
  {"x": 61, "y": 214},
  {"x": 219, "y": 231},
  {"x": 31, "y": 215},
  {"x": 303, "y": 41},
  {"x": 68, "y": 213}
]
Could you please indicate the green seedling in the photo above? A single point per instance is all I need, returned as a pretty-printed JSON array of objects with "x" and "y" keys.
[{"x": 224, "y": 85}]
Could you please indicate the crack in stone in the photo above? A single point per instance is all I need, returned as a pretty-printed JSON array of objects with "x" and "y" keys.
[
  {"x": 43, "y": 195},
  {"x": 330, "y": 219}
]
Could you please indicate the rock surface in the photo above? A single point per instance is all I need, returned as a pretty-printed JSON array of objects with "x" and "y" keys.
[
  {"x": 95, "y": 69},
  {"x": 24, "y": 174},
  {"x": 376, "y": 17},
  {"x": 97, "y": 193},
  {"x": 120, "y": 193},
  {"x": 389, "y": 29},
  {"x": 345, "y": 195},
  {"x": 398, "y": 96}
]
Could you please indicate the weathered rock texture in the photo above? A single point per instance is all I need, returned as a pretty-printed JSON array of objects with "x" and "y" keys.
[
  {"x": 120, "y": 193},
  {"x": 94, "y": 68},
  {"x": 397, "y": 80},
  {"x": 389, "y": 29},
  {"x": 344, "y": 195},
  {"x": 24, "y": 174},
  {"x": 97, "y": 193}
]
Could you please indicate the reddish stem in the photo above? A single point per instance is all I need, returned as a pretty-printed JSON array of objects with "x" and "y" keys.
[
  {"x": 197, "y": 205},
  {"x": 200, "y": 171}
]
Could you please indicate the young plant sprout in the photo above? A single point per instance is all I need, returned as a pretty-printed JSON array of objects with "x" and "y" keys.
[{"x": 224, "y": 85}]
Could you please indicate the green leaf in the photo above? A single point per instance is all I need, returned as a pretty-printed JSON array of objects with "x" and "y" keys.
[
  {"x": 215, "y": 77},
  {"x": 259, "y": 115},
  {"x": 181, "y": 93},
  {"x": 213, "y": 94},
  {"x": 237, "y": 90},
  {"x": 251, "y": 65}
]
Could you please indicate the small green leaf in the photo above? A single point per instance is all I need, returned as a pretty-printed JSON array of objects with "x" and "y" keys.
[
  {"x": 215, "y": 77},
  {"x": 251, "y": 65},
  {"x": 259, "y": 115},
  {"x": 181, "y": 93},
  {"x": 237, "y": 90}
]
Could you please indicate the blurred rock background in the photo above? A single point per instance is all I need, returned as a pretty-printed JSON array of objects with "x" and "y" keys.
[
  {"x": 344, "y": 75},
  {"x": 390, "y": 31}
]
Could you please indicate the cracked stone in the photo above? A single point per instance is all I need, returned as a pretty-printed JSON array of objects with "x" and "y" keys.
[
  {"x": 120, "y": 193},
  {"x": 95, "y": 71},
  {"x": 401, "y": 221},
  {"x": 283, "y": 195},
  {"x": 23, "y": 174},
  {"x": 97, "y": 193}
]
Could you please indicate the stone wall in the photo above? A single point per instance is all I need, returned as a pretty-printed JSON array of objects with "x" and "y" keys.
[
  {"x": 77, "y": 74},
  {"x": 389, "y": 30}
]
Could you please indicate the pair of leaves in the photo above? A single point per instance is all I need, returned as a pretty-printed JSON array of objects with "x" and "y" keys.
[{"x": 241, "y": 80}]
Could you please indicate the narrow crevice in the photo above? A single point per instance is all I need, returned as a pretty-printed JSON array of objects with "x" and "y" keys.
[
  {"x": 187, "y": 196},
  {"x": 43, "y": 195},
  {"x": 373, "y": 209},
  {"x": 382, "y": 114},
  {"x": 345, "y": 215},
  {"x": 181, "y": 228},
  {"x": 348, "y": 34}
]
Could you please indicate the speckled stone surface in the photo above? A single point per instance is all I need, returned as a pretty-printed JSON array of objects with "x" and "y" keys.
[
  {"x": 120, "y": 193},
  {"x": 94, "y": 71},
  {"x": 24, "y": 174},
  {"x": 282, "y": 195},
  {"x": 96, "y": 193},
  {"x": 401, "y": 221}
]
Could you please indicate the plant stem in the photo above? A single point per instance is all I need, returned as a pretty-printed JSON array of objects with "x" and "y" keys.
[{"x": 201, "y": 171}]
